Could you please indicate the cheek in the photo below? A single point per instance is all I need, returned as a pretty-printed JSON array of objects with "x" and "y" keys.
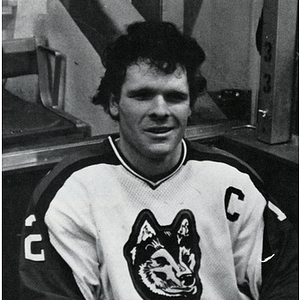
[
  {"x": 132, "y": 111},
  {"x": 183, "y": 113},
  {"x": 128, "y": 119}
]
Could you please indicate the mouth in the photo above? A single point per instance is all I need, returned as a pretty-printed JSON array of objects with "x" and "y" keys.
[
  {"x": 159, "y": 130},
  {"x": 179, "y": 290}
]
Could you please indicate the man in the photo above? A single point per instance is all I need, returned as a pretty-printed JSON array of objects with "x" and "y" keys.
[{"x": 151, "y": 215}]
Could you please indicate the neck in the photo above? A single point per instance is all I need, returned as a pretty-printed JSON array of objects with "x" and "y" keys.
[{"x": 151, "y": 167}]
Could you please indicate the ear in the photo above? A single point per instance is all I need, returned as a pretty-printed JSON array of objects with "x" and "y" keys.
[
  {"x": 184, "y": 228},
  {"x": 113, "y": 106},
  {"x": 145, "y": 232}
]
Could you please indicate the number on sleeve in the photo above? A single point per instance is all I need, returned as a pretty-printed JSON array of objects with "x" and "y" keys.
[
  {"x": 30, "y": 239},
  {"x": 280, "y": 215}
]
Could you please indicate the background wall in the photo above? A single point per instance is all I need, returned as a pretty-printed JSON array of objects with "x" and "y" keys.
[
  {"x": 225, "y": 29},
  {"x": 84, "y": 68}
]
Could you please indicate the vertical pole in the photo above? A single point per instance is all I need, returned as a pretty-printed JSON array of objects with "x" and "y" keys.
[{"x": 276, "y": 76}]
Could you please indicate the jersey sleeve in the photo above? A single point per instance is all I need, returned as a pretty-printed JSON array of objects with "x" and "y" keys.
[
  {"x": 269, "y": 228},
  {"x": 60, "y": 262},
  {"x": 265, "y": 247},
  {"x": 73, "y": 235},
  {"x": 245, "y": 207},
  {"x": 280, "y": 257},
  {"x": 43, "y": 272}
]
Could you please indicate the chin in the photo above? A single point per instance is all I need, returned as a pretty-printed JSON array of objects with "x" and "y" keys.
[{"x": 161, "y": 151}]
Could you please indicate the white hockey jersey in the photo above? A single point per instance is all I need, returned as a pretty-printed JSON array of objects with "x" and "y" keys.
[{"x": 197, "y": 233}]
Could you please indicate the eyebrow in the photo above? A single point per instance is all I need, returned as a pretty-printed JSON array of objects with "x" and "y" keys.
[
  {"x": 178, "y": 94},
  {"x": 140, "y": 92},
  {"x": 150, "y": 92}
]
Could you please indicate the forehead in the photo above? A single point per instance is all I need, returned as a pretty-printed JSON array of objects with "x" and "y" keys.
[{"x": 143, "y": 75}]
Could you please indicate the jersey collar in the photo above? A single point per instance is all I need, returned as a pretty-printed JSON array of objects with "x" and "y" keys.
[{"x": 151, "y": 183}]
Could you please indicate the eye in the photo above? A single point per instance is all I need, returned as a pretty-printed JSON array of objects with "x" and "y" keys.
[
  {"x": 161, "y": 261},
  {"x": 176, "y": 97},
  {"x": 141, "y": 95}
]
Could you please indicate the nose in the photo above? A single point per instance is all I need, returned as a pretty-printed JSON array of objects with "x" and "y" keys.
[
  {"x": 187, "y": 280},
  {"x": 185, "y": 275},
  {"x": 183, "y": 270},
  {"x": 160, "y": 108}
]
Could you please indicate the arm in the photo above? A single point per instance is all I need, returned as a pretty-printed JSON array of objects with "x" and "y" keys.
[
  {"x": 73, "y": 234},
  {"x": 43, "y": 273},
  {"x": 265, "y": 249},
  {"x": 280, "y": 257}
]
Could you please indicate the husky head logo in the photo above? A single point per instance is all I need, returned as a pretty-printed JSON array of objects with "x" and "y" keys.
[{"x": 164, "y": 260}]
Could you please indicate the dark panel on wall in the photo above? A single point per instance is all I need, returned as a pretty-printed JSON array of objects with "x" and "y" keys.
[
  {"x": 93, "y": 22},
  {"x": 149, "y": 9},
  {"x": 191, "y": 12}
]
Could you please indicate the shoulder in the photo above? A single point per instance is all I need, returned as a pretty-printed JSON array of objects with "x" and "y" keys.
[
  {"x": 201, "y": 152},
  {"x": 55, "y": 179}
]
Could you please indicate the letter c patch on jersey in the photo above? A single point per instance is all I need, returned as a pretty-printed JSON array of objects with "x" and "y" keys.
[
  {"x": 164, "y": 261},
  {"x": 229, "y": 195}
]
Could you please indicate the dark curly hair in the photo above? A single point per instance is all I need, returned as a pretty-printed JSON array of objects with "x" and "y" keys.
[{"x": 161, "y": 45}]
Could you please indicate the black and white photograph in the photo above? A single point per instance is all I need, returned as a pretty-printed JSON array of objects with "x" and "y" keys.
[{"x": 150, "y": 149}]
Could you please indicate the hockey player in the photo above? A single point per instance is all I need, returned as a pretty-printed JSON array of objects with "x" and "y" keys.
[{"x": 150, "y": 215}]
